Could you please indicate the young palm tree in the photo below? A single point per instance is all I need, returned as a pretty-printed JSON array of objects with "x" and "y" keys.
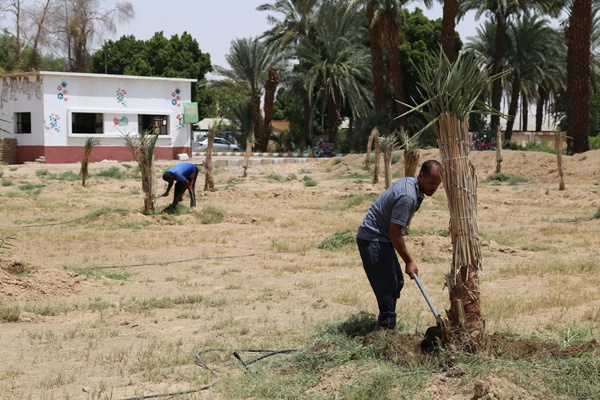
[
  {"x": 453, "y": 91},
  {"x": 90, "y": 143},
  {"x": 241, "y": 115},
  {"x": 388, "y": 144},
  {"x": 411, "y": 152},
  {"x": 141, "y": 147},
  {"x": 578, "y": 74}
]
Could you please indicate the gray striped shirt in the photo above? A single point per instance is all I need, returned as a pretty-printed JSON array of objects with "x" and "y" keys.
[{"x": 396, "y": 205}]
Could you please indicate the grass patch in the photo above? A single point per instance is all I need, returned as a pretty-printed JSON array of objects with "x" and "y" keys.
[
  {"x": 337, "y": 241},
  {"x": 511, "y": 179},
  {"x": 597, "y": 215},
  {"x": 211, "y": 215},
  {"x": 7, "y": 182},
  {"x": 113, "y": 172},
  {"x": 104, "y": 211},
  {"x": 95, "y": 273},
  {"x": 275, "y": 177},
  {"x": 141, "y": 306},
  {"x": 9, "y": 313},
  {"x": 32, "y": 189},
  {"x": 291, "y": 177},
  {"x": 309, "y": 181},
  {"x": 177, "y": 209}
]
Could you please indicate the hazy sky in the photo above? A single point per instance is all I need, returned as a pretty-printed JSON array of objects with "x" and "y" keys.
[{"x": 215, "y": 23}]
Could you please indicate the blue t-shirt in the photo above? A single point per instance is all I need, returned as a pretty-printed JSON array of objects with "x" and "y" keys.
[
  {"x": 183, "y": 171},
  {"x": 396, "y": 205}
]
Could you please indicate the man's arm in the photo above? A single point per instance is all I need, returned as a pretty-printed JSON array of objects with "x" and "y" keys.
[
  {"x": 397, "y": 238},
  {"x": 168, "y": 189}
]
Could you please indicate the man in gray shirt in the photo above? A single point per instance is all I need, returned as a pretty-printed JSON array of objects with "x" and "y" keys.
[{"x": 382, "y": 234}]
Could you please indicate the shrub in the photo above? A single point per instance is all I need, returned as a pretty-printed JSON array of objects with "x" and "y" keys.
[
  {"x": 512, "y": 179},
  {"x": 112, "y": 172},
  {"x": 309, "y": 181}
]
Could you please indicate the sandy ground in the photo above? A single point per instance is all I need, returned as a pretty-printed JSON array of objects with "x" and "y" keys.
[{"x": 116, "y": 304}]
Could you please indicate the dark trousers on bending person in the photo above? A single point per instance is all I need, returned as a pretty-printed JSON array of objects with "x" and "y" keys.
[
  {"x": 385, "y": 276},
  {"x": 180, "y": 189}
]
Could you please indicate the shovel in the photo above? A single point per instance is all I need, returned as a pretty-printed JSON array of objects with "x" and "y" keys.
[{"x": 434, "y": 335}]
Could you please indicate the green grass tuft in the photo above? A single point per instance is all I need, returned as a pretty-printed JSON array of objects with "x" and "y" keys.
[
  {"x": 597, "y": 215},
  {"x": 511, "y": 179},
  {"x": 211, "y": 215},
  {"x": 275, "y": 177},
  {"x": 113, "y": 172},
  {"x": 309, "y": 181},
  {"x": 337, "y": 241}
]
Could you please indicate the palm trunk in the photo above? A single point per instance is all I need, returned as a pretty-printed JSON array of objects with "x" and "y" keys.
[
  {"x": 411, "y": 163},
  {"x": 255, "y": 99},
  {"x": 307, "y": 110},
  {"x": 578, "y": 75},
  {"x": 498, "y": 151},
  {"x": 558, "y": 139},
  {"x": 376, "y": 60},
  {"x": 539, "y": 108},
  {"x": 377, "y": 157},
  {"x": 524, "y": 112},
  {"x": 512, "y": 108},
  {"x": 448, "y": 26},
  {"x": 387, "y": 166},
  {"x": 249, "y": 144},
  {"x": 270, "y": 88},
  {"x": 369, "y": 147},
  {"x": 209, "y": 184},
  {"x": 460, "y": 184},
  {"x": 333, "y": 116},
  {"x": 497, "y": 68},
  {"x": 395, "y": 73}
]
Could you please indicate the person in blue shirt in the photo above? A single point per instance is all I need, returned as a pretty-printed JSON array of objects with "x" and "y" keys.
[
  {"x": 382, "y": 233},
  {"x": 184, "y": 174}
]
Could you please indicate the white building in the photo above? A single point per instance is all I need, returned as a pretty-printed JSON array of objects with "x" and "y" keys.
[{"x": 51, "y": 114}]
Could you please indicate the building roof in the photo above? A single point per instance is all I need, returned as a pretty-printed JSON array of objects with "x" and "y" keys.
[{"x": 106, "y": 76}]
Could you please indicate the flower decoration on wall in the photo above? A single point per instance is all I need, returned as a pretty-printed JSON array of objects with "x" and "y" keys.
[
  {"x": 176, "y": 97},
  {"x": 54, "y": 118},
  {"x": 179, "y": 121},
  {"x": 123, "y": 121},
  {"x": 62, "y": 91},
  {"x": 121, "y": 97}
]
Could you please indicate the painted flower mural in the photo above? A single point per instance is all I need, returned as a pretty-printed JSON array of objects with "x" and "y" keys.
[
  {"x": 176, "y": 97},
  {"x": 54, "y": 118},
  {"x": 121, "y": 97},
  {"x": 179, "y": 121},
  {"x": 62, "y": 91},
  {"x": 123, "y": 121}
]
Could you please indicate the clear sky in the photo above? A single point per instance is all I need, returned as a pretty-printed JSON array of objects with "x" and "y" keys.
[{"x": 215, "y": 23}]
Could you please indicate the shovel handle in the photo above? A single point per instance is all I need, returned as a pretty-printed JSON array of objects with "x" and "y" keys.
[{"x": 429, "y": 303}]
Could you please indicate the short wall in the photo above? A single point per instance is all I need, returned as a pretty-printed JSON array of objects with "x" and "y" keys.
[
  {"x": 8, "y": 150},
  {"x": 73, "y": 154}
]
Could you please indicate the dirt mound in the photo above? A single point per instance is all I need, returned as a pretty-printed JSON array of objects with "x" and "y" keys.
[
  {"x": 498, "y": 388},
  {"x": 507, "y": 347},
  {"x": 23, "y": 282}
]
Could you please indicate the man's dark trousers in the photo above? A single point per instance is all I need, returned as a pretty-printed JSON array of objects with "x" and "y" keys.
[{"x": 385, "y": 276}]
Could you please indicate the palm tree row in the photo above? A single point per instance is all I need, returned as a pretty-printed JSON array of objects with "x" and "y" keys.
[{"x": 341, "y": 59}]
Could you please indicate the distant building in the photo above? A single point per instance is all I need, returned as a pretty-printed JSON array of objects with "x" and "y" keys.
[{"x": 51, "y": 114}]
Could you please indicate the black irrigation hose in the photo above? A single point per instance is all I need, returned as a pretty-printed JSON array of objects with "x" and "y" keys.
[
  {"x": 177, "y": 261},
  {"x": 49, "y": 224},
  {"x": 201, "y": 363}
]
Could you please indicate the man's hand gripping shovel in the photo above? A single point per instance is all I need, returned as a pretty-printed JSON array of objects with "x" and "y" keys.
[{"x": 435, "y": 336}]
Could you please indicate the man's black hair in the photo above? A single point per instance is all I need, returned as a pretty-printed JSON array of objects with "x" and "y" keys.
[
  {"x": 167, "y": 176},
  {"x": 428, "y": 166}
]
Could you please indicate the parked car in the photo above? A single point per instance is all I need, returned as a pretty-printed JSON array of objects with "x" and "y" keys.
[{"x": 220, "y": 144}]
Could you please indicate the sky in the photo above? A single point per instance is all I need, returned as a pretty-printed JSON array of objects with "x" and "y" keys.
[{"x": 215, "y": 23}]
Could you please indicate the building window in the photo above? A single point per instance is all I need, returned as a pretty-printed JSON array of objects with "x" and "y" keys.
[
  {"x": 86, "y": 123},
  {"x": 23, "y": 122},
  {"x": 155, "y": 124}
]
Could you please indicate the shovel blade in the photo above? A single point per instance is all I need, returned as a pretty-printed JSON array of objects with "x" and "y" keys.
[{"x": 433, "y": 339}]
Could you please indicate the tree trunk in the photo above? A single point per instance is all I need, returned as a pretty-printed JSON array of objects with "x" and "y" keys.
[
  {"x": 369, "y": 147},
  {"x": 395, "y": 72},
  {"x": 307, "y": 110},
  {"x": 411, "y": 163},
  {"x": 149, "y": 189},
  {"x": 498, "y": 151},
  {"x": 376, "y": 60},
  {"x": 270, "y": 88},
  {"x": 578, "y": 75},
  {"x": 333, "y": 116},
  {"x": 377, "y": 157},
  {"x": 542, "y": 95},
  {"x": 512, "y": 109},
  {"x": 209, "y": 184},
  {"x": 448, "y": 28},
  {"x": 497, "y": 68},
  {"x": 558, "y": 139},
  {"x": 460, "y": 184},
  {"x": 249, "y": 144},
  {"x": 387, "y": 167},
  {"x": 255, "y": 99},
  {"x": 524, "y": 111}
]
